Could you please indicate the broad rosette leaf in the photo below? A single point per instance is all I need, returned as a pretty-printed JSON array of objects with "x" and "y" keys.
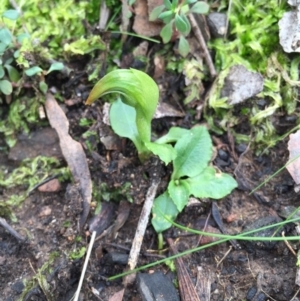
[
  {"x": 194, "y": 151},
  {"x": 210, "y": 184},
  {"x": 163, "y": 207}
]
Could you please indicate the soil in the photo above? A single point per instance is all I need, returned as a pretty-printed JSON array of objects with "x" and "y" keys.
[{"x": 49, "y": 220}]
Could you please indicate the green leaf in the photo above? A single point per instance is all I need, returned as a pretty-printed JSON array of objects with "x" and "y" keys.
[
  {"x": 2, "y": 72},
  {"x": 167, "y": 4},
  {"x": 122, "y": 119},
  {"x": 165, "y": 152},
  {"x": 5, "y": 87},
  {"x": 189, "y": 1},
  {"x": 166, "y": 16},
  {"x": 5, "y": 36},
  {"x": 163, "y": 206},
  {"x": 194, "y": 151},
  {"x": 174, "y": 4},
  {"x": 13, "y": 73},
  {"x": 22, "y": 36},
  {"x": 179, "y": 192},
  {"x": 11, "y": 14},
  {"x": 57, "y": 66},
  {"x": 185, "y": 9},
  {"x": 210, "y": 184},
  {"x": 174, "y": 134},
  {"x": 33, "y": 71},
  {"x": 183, "y": 46},
  {"x": 166, "y": 32},
  {"x": 43, "y": 87},
  {"x": 85, "y": 45},
  {"x": 3, "y": 47},
  {"x": 8, "y": 61},
  {"x": 180, "y": 24},
  {"x": 16, "y": 54},
  {"x": 200, "y": 8},
  {"x": 139, "y": 91},
  {"x": 186, "y": 20},
  {"x": 156, "y": 12}
]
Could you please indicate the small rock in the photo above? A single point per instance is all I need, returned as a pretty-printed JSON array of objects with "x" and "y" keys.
[
  {"x": 251, "y": 293},
  {"x": 261, "y": 297},
  {"x": 223, "y": 155},
  {"x": 51, "y": 186},
  {"x": 241, "y": 148},
  {"x": 262, "y": 103},
  {"x": 117, "y": 258},
  {"x": 156, "y": 287},
  {"x": 288, "y": 26},
  {"x": 241, "y": 84},
  {"x": 46, "y": 211},
  {"x": 18, "y": 287},
  {"x": 217, "y": 24}
]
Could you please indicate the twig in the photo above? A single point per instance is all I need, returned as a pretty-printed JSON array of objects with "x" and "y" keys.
[
  {"x": 140, "y": 231},
  {"x": 225, "y": 255},
  {"x": 87, "y": 258},
  {"x": 203, "y": 283},
  {"x": 202, "y": 43},
  {"x": 12, "y": 231},
  {"x": 186, "y": 286},
  {"x": 288, "y": 245}
]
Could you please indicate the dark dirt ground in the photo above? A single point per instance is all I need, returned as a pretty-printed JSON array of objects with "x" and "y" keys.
[
  {"x": 42, "y": 218},
  {"x": 50, "y": 223}
]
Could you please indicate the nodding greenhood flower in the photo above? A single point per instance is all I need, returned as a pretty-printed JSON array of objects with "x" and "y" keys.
[{"x": 137, "y": 90}]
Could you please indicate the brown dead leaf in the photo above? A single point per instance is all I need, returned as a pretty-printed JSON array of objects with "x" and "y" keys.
[
  {"x": 165, "y": 110},
  {"x": 152, "y": 4},
  {"x": 118, "y": 296},
  {"x": 73, "y": 154},
  {"x": 294, "y": 149},
  {"x": 141, "y": 24}
]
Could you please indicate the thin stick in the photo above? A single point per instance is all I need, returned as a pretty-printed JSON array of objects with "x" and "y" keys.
[
  {"x": 202, "y": 43},
  {"x": 288, "y": 245},
  {"x": 186, "y": 286},
  {"x": 87, "y": 258},
  {"x": 225, "y": 255},
  {"x": 11, "y": 230},
  {"x": 140, "y": 231}
]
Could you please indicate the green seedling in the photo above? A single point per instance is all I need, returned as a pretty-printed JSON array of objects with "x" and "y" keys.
[
  {"x": 8, "y": 52},
  {"x": 139, "y": 98},
  {"x": 191, "y": 175},
  {"x": 190, "y": 155},
  {"x": 174, "y": 15},
  {"x": 40, "y": 279}
]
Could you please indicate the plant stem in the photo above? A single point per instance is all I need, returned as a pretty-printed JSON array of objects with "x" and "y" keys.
[
  {"x": 160, "y": 241},
  {"x": 202, "y": 43}
]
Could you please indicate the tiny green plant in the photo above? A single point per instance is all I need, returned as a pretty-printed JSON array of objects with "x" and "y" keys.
[
  {"x": 8, "y": 53},
  {"x": 174, "y": 15},
  {"x": 190, "y": 155}
]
